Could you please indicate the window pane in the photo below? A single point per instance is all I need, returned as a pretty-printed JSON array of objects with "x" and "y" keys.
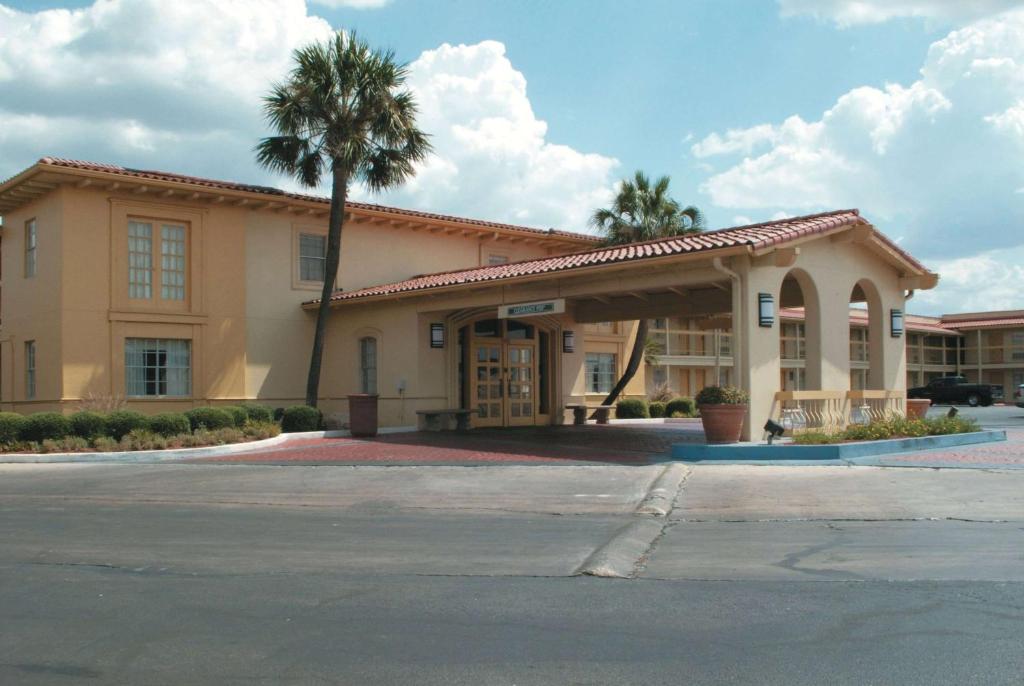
[
  {"x": 30, "y": 370},
  {"x": 312, "y": 257},
  {"x": 368, "y": 365},
  {"x": 172, "y": 262},
  {"x": 158, "y": 367},
  {"x": 140, "y": 260},
  {"x": 30, "y": 248},
  {"x": 600, "y": 372}
]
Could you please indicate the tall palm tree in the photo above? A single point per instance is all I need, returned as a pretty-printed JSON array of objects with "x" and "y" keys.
[
  {"x": 343, "y": 111},
  {"x": 642, "y": 212}
]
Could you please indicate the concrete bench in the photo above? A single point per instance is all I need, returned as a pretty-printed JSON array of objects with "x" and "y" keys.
[
  {"x": 439, "y": 420},
  {"x": 579, "y": 413}
]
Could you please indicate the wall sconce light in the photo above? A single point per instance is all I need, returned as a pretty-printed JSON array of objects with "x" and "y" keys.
[
  {"x": 896, "y": 323},
  {"x": 437, "y": 335},
  {"x": 568, "y": 341},
  {"x": 765, "y": 309}
]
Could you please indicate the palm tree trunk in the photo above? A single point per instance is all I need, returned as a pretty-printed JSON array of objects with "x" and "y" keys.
[
  {"x": 635, "y": 358},
  {"x": 339, "y": 193}
]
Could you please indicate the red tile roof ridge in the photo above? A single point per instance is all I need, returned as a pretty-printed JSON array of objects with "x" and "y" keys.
[
  {"x": 749, "y": 235},
  {"x": 270, "y": 190}
]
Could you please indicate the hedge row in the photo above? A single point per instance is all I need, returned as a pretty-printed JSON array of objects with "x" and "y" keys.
[
  {"x": 54, "y": 426},
  {"x": 640, "y": 409}
]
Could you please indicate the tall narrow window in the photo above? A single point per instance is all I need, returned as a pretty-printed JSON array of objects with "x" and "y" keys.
[
  {"x": 368, "y": 365},
  {"x": 30, "y": 370},
  {"x": 140, "y": 260},
  {"x": 172, "y": 262},
  {"x": 312, "y": 257},
  {"x": 158, "y": 367},
  {"x": 31, "y": 248},
  {"x": 600, "y": 372}
]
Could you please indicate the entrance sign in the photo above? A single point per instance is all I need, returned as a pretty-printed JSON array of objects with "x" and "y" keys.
[{"x": 533, "y": 309}]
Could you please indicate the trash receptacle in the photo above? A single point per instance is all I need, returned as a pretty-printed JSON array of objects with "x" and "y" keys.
[{"x": 362, "y": 415}]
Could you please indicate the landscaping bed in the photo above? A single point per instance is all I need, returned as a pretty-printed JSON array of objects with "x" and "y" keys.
[
  {"x": 886, "y": 429},
  {"x": 126, "y": 431}
]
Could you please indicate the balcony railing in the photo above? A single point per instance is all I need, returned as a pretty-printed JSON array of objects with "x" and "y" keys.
[{"x": 830, "y": 411}]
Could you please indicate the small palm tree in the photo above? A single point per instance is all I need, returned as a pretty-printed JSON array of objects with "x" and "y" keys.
[
  {"x": 642, "y": 212},
  {"x": 343, "y": 111}
]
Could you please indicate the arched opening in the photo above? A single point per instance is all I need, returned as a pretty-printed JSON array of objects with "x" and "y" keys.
[
  {"x": 506, "y": 370},
  {"x": 866, "y": 336},
  {"x": 799, "y": 333}
]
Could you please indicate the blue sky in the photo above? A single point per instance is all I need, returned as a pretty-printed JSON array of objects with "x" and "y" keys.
[{"x": 912, "y": 110}]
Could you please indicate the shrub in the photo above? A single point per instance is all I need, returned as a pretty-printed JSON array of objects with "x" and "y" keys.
[
  {"x": 104, "y": 444},
  {"x": 260, "y": 430},
  {"x": 816, "y": 438},
  {"x": 301, "y": 418},
  {"x": 42, "y": 426},
  {"x": 662, "y": 393},
  {"x": 722, "y": 395},
  {"x": 631, "y": 409},
  {"x": 68, "y": 444},
  {"x": 123, "y": 422},
  {"x": 239, "y": 416},
  {"x": 209, "y": 418},
  {"x": 681, "y": 407},
  {"x": 88, "y": 424},
  {"x": 258, "y": 413},
  {"x": 10, "y": 428},
  {"x": 656, "y": 409},
  {"x": 278, "y": 414},
  {"x": 169, "y": 424}
]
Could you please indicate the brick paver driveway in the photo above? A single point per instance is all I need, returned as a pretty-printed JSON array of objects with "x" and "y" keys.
[{"x": 610, "y": 444}]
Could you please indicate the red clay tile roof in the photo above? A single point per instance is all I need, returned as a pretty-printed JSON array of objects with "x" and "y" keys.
[
  {"x": 755, "y": 236},
  {"x": 961, "y": 324},
  {"x": 277, "y": 192},
  {"x": 914, "y": 322}
]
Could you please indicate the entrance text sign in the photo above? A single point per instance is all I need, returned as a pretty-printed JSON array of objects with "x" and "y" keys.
[{"x": 531, "y": 309}]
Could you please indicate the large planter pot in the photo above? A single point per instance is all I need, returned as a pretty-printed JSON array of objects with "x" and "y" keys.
[
  {"x": 722, "y": 423},
  {"x": 917, "y": 408},
  {"x": 362, "y": 415}
]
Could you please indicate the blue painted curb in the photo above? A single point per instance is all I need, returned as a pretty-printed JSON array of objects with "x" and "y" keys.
[{"x": 691, "y": 452}]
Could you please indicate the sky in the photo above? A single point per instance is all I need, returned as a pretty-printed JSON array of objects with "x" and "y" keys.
[{"x": 910, "y": 110}]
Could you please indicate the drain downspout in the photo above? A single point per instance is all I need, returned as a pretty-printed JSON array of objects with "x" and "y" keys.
[{"x": 737, "y": 318}]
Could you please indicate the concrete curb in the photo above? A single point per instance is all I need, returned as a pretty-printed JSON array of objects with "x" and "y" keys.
[
  {"x": 664, "y": 490},
  {"x": 619, "y": 557},
  {"x": 153, "y": 456},
  {"x": 689, "y": 452}
]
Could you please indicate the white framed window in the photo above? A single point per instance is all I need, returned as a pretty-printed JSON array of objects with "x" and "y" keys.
[
  {"x": 31, "y": 248},
  {"x": 172, "y": 262},
  {"x": 158, "y": 368},
  {"x": 151, "y": 260},
  {"x": 368, "y": 365},
  {"x": 140, "y": 260},
  {"x": 600, "y": 370},
  {"x": 495, "y": 258},
  {"x": 30, "y": 370},
  {"x": 312, "y": 257}
]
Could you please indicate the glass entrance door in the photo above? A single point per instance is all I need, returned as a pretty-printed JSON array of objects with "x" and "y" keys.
[{"x": 503, "y": 373}]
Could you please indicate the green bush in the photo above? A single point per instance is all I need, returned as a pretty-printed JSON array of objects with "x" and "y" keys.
[
  {"x": 722, "y": 395},
  {"x": 656, "y": 409},
  {"x": 123, "y": 422},
  {"x": 258, "y": 414},
  {"x": 239, "y": 415},
  {"x": 169, "y": 424},
  {"x": 631, "y": 409},
  {"x": 10, "y": 428},
  {"x": 258, "y": 431},
  {"x": 211, "y": 418},
  {"x": 301, "y": 418},
  {"x": 681, "y": 407},
  {"x": 816, "y": 438},
  {"x": 88, "y": 425},
  {"x": 43, "y": 426}
]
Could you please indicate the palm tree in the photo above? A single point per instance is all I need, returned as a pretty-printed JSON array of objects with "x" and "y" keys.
[
  {"x": 642, "y": 212},
  {"x": 342, "y": 110}
]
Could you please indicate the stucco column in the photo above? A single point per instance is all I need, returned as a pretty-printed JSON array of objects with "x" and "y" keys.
[
  {"x": 759, "y": 369},
  {"x": 834, "y": 304}
]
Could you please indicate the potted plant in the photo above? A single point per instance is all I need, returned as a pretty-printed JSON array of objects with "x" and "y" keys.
[{"x": 722, "y": 411}]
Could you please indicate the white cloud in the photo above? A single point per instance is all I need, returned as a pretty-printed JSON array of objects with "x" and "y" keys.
[
  {"x": 734, "y": 140},
  {"x": 492, "y": 156},
  {"x": 987, "y": 281},
  {"x": 854, "y": 12},
  {"x": 938, "y": 162},
  {"x": 353, "y": 4}
]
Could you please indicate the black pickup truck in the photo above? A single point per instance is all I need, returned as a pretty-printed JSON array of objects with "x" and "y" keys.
[{"x": 948, "y": 390}]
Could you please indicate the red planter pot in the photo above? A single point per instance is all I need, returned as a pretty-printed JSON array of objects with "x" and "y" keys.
[
  {"x": 917, "y": 408},
  {"x": 722, "y": 423},
  {"x": 362, "y": 415}
]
